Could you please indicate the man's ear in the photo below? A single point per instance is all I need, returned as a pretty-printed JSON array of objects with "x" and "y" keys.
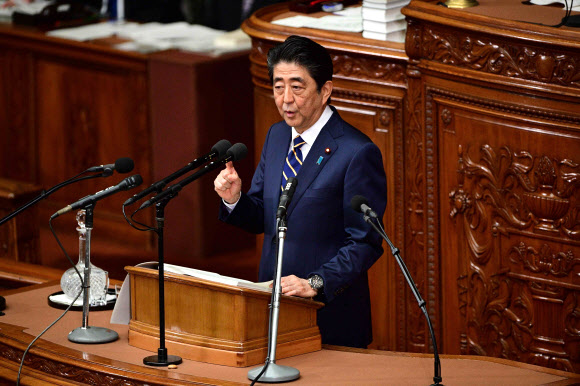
[{"x": 326, "y": 90}]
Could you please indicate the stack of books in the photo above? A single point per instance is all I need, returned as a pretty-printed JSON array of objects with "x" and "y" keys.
[{"x": 383, "y": 20}]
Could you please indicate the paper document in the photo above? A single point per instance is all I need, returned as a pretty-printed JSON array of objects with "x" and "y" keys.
[
  {"x": 122, "y": 311},
  {"x": 216, "y": 277},
  {"x": 576, "y": 7},
  {"x": 351, "y": 22}
]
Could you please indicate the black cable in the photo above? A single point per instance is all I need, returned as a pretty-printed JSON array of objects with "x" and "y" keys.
[
  {"x": 131, "y": 220},
  {"x": 65, "y": 311}
]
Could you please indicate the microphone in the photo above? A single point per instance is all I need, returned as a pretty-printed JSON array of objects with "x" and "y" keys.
[
  {"x": 235, "y": 153},
  {"x": 122, "y": 165},
  {"x": 361, "y": 204},
  {"x": 286, "y": 197},
  {"x": 126, "y": 184},
  {"x": 218, "y": 150}
]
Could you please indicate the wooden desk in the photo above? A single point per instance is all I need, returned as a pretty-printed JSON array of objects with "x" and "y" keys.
[{"x": 53, "y": 360}]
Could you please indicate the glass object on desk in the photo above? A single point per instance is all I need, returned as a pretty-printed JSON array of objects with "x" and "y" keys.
[{"x": 70, "y": 281}]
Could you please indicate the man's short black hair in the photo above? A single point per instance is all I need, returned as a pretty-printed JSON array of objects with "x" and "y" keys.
[{"x": 306, "y": 53}]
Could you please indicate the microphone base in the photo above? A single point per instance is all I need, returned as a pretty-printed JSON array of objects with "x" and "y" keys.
[
  {"x": 162, "y": 360},
  {"x": 92, "y": 335},
  {"x": 274, "y": 374}
]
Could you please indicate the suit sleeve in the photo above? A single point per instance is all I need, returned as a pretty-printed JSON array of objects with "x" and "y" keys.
[
  {"x": 363, "y": 246},
  {"x": 249, "y": 211}
]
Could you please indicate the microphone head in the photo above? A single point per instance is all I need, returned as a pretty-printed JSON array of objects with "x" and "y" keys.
[
  {"x": 221, "y": 147},
  {"x": 237, "y": 151},
  {"x": 357, "y": 201},
  {"x": 133, "y": 181},
  {"x": 290, "y": 186},
  {"x": 124, "y": 165}
]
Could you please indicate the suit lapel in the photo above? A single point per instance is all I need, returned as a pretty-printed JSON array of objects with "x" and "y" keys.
[
  {"x": 316, "y": 159},
  {"x": 277, "y": 157}
]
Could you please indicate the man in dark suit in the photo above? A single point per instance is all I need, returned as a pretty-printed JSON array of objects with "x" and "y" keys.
[{"x": 328, "y": 247}]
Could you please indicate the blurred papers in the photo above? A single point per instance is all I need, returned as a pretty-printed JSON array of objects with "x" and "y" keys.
[
  {"x": 348, "y": 20},
  {"x": 150, "y": 37},
  {"x": 552, "y": 2}
]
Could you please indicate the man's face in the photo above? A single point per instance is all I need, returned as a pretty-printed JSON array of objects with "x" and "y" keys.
[{"x": 297, "y": 97}]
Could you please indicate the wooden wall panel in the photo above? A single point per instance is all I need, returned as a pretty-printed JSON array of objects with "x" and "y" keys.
[
  {"x": 513, "y": 203},
  {"x": 88, "y": 115},
  {"x": 496, "y": 131},
  {"x": 66, "y": 106},
  {"x": 16, "y": 115}
]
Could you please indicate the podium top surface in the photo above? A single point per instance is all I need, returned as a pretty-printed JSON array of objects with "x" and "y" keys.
[{"x": 223, "y": 283}]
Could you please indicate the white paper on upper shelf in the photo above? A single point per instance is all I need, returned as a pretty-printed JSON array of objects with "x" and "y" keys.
[
  {"x": 563, "y": 2},
  {"x": 294, "y": 21},
  {"x": 385, "y": 27},
  {"x": 331, "y": 22},
  {"x": 89, "y": 31},
  {"x": 7, "y": 8}
]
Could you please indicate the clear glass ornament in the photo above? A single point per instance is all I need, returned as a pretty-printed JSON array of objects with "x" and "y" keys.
[{"x": 99, "y": 279}]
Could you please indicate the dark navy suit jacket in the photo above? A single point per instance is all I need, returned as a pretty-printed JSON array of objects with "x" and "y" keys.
[{"x": 325, "y": 236}]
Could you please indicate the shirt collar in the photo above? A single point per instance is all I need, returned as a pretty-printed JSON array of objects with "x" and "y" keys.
[{"x": 309, "y": 135}]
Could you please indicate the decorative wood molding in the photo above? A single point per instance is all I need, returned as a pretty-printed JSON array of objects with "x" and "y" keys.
[
  {"x": 503, "y": 107},
  {"x": 413, "y": 327},
  {"x": 544, "y": 260},
  {"x": 494, "y": 55},
  {"x": 345, "y": 65},
  {"x": 369, "y": 69},
  {"x": 66, "y": 371}
]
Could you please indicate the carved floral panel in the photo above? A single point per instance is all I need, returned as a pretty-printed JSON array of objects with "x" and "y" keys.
[{"x": 521, "y": 222}]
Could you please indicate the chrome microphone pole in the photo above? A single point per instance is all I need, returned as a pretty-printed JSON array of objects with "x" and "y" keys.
[
  {"x": 271, "y": 372},
  {"x": 85, "y": 333}
]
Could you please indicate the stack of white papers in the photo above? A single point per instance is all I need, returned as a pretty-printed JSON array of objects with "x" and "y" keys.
[{"x": 383, "y": 20}]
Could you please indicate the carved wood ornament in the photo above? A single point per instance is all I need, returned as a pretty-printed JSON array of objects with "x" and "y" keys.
[{"x": 516, "y": 208}]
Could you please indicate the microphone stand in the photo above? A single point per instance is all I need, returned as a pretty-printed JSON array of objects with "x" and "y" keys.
[
  {"x": 271, "y": 372},
  {"x": 85, "y": 333},
  {"x": 44, "y": 194},
  {"x": 395, "y": 252},
  {"x": 161, "y": 359}
]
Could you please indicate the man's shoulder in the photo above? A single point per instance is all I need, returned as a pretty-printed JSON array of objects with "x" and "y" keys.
[
  {"x": 345, "y": 131},
  {"x": 280, "y": 127}
]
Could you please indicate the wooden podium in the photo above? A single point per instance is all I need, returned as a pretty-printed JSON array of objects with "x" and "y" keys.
[{"x": 217, "y": 323}]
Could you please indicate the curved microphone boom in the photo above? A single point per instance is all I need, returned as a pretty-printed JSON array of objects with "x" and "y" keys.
[
  {"x": 122, "y": 165},
  {"x": 235, "y": 153},
  {"x": 361, "y": 204},
  {"x": 126, "y": 184},
  {"x": 218, "y": 150}
]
